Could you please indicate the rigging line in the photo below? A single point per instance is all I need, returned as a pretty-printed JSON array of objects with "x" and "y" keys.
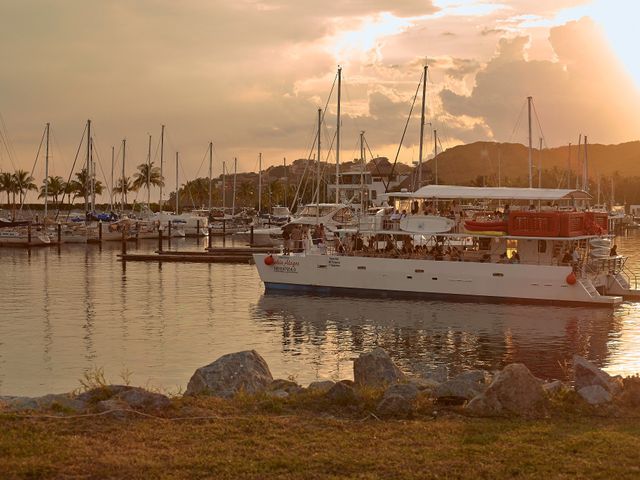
[
  {"x": 544, "y": 140},
  {"x": 71, "y": 174},
  {"x": 519, "y": 118},
  {"x": 24, "y": 196},
  {"x": 187, "y": 185},
  {"x": 373, "y": 158},
  {"x": 7, "y": 142},
  {"x": 386, "y": 185},
  {"x": 104, "y": 176}
]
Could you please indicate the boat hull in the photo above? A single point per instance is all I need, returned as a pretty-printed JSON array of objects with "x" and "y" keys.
[{"x": 427, "y": 279}]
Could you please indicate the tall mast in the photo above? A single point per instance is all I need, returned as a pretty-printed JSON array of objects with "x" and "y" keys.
[
  {"x": 93, "y": 177},
  {"x": 424, "y": 92},
  {"x": 318, "y": 170},
  {"x": 113, "y": 157},
  {"x": 598, "y": 196},
  {"x": 259, "y": 183},
  {"x": 161, "y": 165},
  {"x": 337, "y": 140},
  {"x": 540, "y": 165},
  {"x": 177, "y": 185},
  {"x": 149, "y": 176},
  {"x": 435, "y": 152},
  {"x": 235, "y": 172},
  {"x": 87, "y": 168},
  {"x": 210, "y": 172},
  {"x": 586, "y": 166},
  {"x": 362, "y": 172},
  {"x": 286, "y": 181},
  {"x": 569, "y": 167},
  {"x": 46, "y": 176},
  {"x": 224, "y": 187},
  {"x": 124, "y": 179},
  {"x": 579, "y": 161},
  {"x": 530, "y": 145}
]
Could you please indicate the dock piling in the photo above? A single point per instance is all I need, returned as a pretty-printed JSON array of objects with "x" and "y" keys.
[
  {"x": 210, "y": 237},
  {"x": 251, "y": 236},
  {"x": 159, "y": 239},
  {"x": 100, "y": 231},
  {"x": 124, "y": 242},
  {"x": 59, "y": 232}
]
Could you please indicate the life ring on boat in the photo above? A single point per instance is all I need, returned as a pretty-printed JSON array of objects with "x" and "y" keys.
[
  {"x": 571, "y": 279},
  {"x": 269, "y": 260}
]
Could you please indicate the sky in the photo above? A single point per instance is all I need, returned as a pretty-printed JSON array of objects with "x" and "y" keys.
[{"x": 249, "y": 76}]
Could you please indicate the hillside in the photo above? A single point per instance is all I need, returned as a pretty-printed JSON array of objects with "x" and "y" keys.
[{"x": 465, "y": 163}]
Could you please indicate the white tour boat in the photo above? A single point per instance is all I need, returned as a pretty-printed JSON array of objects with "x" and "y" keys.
[{"x": 534, "y": 251}]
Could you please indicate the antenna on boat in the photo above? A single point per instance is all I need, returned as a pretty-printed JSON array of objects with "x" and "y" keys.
[
  {"x": 530, "y": 144},
  {"x": 424, "y": 91},
  {"x": 337, "y": 141}
]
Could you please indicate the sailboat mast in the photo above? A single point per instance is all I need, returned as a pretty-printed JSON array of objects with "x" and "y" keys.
[
  {"x": 161, "y": 166},
  {"x": 362, "y": 172},
  {"x": 579, "y": 160},
  {"x": 435, "y": 153},
  {"x": 569, "y": 167},
  {"x": 337, "y": 140},
  {"x": 113, "y": 157},
  {"x": 87, "y": 168},
  {"x": 259, "y": 183},
  {"x": 530, "y": 145},
  {"x": 224, "y": 185},
  {"x": 318, "y": 170},
  {"x": 149, "y": 176},
  {"x": 46, "y": 175},
  {"x": 93, "y": 178},
  {"x": 210, "y": 172},
  {"x": 586, "y": 166},
  {"x": 177, "y": 185},
  {"x": 235, "y": 173},
  {"x": 124, "y": 179},
  {"x": 286, "y": 182},
  {"x": 540, "y": 165},
  {"x": 424, "y": 92}
]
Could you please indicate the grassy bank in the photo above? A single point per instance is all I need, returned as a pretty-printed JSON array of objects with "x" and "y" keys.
[{"x": 272, "y": 439}]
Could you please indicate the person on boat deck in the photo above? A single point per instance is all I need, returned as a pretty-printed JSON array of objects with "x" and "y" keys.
[
  {"x": 503, "y": 258},
  {"x": 614, "y": 251},
  {"x": 575, "y": 256},
  {"x": 505, "y": 213},
  {"x": 403, "y": 214},
  {"x": 515, "y": 257}
]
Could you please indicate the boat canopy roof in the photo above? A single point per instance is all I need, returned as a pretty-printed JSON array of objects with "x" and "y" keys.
[{"x": 492, "y": 193}]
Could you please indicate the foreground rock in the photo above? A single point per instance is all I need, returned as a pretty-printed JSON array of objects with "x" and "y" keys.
[
  {"x": 462, "y": 387},
  {"x": 376, "y": 369},
  {"x": 321, "y": 385},
  {"x": 595, "y": 395},
  {"x": 236, "y": 372},
  {"x": 62, "y": 402},
  {"x": 514, "y": 390},
  {"x": 342, "y": 393},
  {"x": 398, "y": 400},
  {"x": 586, "y": 374}
]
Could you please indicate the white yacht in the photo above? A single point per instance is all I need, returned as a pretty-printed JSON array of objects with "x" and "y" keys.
[{"x": 525, "y": 253}]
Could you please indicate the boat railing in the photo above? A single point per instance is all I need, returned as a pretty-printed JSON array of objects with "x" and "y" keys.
[{"x": 609, "y": 265}]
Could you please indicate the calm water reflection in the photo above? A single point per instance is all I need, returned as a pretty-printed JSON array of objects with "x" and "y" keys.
[{"x": 65, "y": 311}]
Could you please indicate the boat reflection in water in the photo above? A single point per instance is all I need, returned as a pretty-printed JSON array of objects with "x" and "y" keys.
[{"x": 419, "y": 334}]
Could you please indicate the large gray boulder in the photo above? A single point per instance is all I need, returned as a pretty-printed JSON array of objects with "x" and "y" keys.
[
  {"x": 141, "y": 399},
  {"x": 376, "y": 369},
  {"x": 321, "y": 385},
  {"x": 398, "y": 400},
  {"x": 586, "y": 374},
  {"x": 595, "y": 395},
  {"x": 456, "y": 392},
  {"x": 232, "y": 373},
  {"x": 342, "y": 393},
  {"x": 62, "y": 402},
  {"x": 514, "y": 390}
]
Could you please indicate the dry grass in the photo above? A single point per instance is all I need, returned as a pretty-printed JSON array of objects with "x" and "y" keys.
[{"x": 259, "y": 437}]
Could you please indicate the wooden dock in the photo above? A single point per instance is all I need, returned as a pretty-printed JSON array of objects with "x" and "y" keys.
[{"x": 210, "y": 255}]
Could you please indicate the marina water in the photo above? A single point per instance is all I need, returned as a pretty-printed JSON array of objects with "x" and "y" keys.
[{"x": 71, "y": 310}]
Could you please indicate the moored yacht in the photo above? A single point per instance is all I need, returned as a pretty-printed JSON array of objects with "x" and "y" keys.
[{"x": 530, "y": 250}]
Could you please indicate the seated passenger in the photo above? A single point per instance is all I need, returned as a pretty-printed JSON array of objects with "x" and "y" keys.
[
  {"x": 566, "y": 258},
  {"x": 515, "y": 258}
]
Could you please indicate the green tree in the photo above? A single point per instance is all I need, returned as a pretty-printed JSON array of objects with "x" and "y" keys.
[
  {"x": 147, "y": 176},
  {"x": 123, "y": 187},
  {"x": 7, "y": 185},
  {"x": 81, "y": 187},
  {"x": 24, "y": 183},
  {"x": 56, "y": 186}
]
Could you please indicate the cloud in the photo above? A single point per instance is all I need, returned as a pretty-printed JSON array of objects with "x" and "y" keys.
[{"x": 585, "y": 90}]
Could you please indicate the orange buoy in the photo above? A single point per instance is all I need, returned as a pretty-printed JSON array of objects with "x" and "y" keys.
[
  {"x": 571, "y": 278},
  {"x": 269, "y": 260}
]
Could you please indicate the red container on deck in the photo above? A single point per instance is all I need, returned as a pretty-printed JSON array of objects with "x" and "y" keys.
[
  {"x": 534, "y": 224},
  {"x": 596, "y": 223},
  {"x": 572, "y": 224}
]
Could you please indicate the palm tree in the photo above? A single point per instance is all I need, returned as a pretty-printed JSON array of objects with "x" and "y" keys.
[
  {"x": 56, "y": 186},
  {"x": 24, "y": 183},
  {"x": 123, "y": 186},
  {"x": 147, "y": 176},
  {"x": 82, "y": 186},
  {"x": 7, "y": 185}
]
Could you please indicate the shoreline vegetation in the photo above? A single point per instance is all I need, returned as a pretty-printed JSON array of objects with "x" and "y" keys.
[{"x": 235, "y": 421}]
